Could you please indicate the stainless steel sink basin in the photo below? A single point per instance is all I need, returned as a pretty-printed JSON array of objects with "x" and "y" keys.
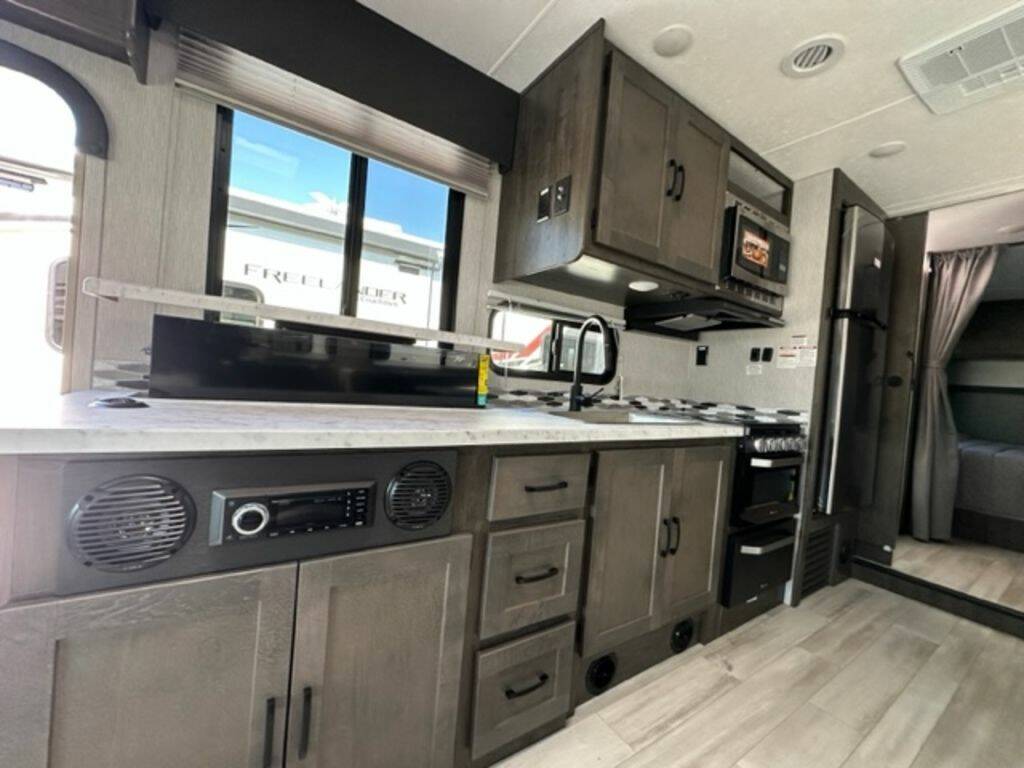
[{"x": 625, "y": 417}]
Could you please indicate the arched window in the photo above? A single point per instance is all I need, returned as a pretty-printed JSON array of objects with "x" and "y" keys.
[
  {"x": 37, "y": 161},
  {"x": 48, "y": 120}
]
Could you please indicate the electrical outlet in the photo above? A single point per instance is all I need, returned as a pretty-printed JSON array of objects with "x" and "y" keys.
[
  {"x": 702, "y": 355},
  {"x": 544, "y": 205}
]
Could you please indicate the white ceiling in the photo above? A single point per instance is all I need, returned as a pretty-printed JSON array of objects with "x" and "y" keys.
[{"x": 732, "y": 72}]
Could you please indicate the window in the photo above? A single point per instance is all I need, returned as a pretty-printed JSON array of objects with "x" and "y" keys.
[
  {"x": 307, "y": 224},
  {"x": 549, "y": 348},
  {"x": 37, "y": 163}
]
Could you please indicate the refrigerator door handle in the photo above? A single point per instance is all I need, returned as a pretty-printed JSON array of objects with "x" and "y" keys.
[{"x": 858, "y": 316}]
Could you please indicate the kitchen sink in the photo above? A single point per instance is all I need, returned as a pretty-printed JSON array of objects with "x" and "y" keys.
[{"x": 625, "y": 417}]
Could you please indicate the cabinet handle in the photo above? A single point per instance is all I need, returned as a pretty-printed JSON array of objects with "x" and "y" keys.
[
  {"x": 682, "y": 183},
  {"x": 767, "y": 549},
  {"x": 672, "y": 170},
  {"x": 268, "y": 733},
  {"x": 512, "y": 693},
  {"x": 668, "y": 537},
  {"x": 673, "y": 548},
  {"x": 307, "y": 715},
  {"x": 561, "y": 485},
  {"x": 547, "y": 573}
]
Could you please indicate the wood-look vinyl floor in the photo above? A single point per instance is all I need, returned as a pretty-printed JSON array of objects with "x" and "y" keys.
[
  {"x": 980, "y": 570},
  {"x": 855, "y": 677}
]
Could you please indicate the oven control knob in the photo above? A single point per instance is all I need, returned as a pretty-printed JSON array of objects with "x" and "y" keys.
[
  {"x": 795, "y": 444},
  {"x": 249, "y": 519},
  {"x": 761, "y": 444},
  {"x": 775, "y": 444}
]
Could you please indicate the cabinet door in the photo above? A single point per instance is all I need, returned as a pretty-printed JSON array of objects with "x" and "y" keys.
[
  {"x": 628, "y": 546},
  {"x": 189, "y": 674},
  {"x": 698, "y": 514},
  {"x": 692, "y": 238},
  {"x": 378, "y": 652},
  {"x": 635, "y": 174}
]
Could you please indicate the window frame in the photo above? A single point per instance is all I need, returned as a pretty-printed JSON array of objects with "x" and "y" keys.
[
  {"x": 554, "y": 371},
  {"x": 353, "y": 245}
]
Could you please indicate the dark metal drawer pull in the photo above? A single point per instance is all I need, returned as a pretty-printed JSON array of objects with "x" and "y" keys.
[
  {"x": 307, "y": 715},
  {"x": 512, "y": 693},
  {"x": 668, "y": 537},
  {"x": 674, "y": 174},
  {"x": 673, "y": 548},
  {"x": 268, "y": 733},
  {"x": 547, "y": 573},
  {"x": 561, "y": 485}
]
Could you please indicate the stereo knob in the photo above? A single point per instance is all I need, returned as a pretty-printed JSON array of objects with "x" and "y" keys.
[{"x": 249, "y": 519}]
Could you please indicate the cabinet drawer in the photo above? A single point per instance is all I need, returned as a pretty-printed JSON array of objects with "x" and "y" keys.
[
  {"x": 521, "y": 686},
  {"x": 532, "y": 574},
  {"x": 522, "y": 486}
]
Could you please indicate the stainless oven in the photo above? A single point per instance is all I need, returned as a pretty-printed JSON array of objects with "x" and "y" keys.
[{"x": 755, "y": 247}]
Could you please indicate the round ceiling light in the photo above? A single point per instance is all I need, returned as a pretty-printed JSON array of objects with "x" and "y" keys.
[
  {"x": 812, "y": 57},
  {"x": 888, "y": 149},
  {"x": 673, "y": 40},
  {"x": 643, "y": 286}
]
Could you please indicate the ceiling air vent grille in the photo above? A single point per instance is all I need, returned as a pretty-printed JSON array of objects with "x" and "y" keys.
[
  {"x": 813, "y": 56},
  {"x": 979, "y": 63},
  {"x": 418, "y": 496},
  {"x": 131, "y": 523}
]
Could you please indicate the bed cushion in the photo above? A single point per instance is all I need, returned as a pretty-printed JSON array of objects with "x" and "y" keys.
[{"x": 991, "y": 478}]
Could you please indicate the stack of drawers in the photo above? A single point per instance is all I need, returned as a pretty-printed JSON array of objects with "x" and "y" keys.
[{"x": 530, "y": 596}]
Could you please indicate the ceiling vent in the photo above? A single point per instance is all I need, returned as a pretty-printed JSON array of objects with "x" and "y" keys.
[
  {"x": 814, "y": 56},
  {"x": 979, "y": 63},
  {"x": 131, "y": 523}
]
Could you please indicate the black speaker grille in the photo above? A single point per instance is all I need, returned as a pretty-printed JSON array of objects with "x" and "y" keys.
[
  {"x": 418, "y": 495},
  {"x": 131, "y": 523}
]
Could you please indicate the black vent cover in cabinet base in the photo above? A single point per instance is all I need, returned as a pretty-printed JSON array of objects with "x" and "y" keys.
[
  {"x": 601, "y": 674},
  {"x": 130, "y": 523},
  {"x": 818, "y": 560}
]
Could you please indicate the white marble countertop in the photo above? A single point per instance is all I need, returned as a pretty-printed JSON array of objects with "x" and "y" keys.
[{"x": 67, "y": 425}]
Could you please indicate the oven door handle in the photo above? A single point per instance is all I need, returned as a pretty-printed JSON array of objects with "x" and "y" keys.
[
  {"x": 765, "y": 549},
  {"x": 788, "y": 461}
]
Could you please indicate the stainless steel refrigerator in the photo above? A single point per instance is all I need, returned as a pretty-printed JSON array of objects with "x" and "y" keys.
[{"x": 857, "y": 372}]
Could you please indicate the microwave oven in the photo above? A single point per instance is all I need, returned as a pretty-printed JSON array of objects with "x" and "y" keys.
[{"x": 755, "y": 248}]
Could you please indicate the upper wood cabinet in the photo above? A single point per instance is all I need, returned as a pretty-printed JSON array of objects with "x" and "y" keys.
[
  {"x": 659, "y": 518},
  {"x": 692, "y": 234},
  {"x": 638, "y": 176},
  {"x": 616, "y": 178}
]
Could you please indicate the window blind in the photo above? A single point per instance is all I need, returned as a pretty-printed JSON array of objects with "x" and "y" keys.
[{"x": 236, "y": 79}]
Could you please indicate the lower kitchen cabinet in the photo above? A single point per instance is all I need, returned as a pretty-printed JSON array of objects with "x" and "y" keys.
[
  {"x": 189, "y": 674},
  {"x": 701, "y": 480},
  {"x": 194, "y": 673},
  {"x": 627, "y": 547},
  {"x": 378, "y": 654},
  {"x": 658, "y": 522}
]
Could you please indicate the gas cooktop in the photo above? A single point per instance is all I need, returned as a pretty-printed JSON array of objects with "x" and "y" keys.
[{"x": 716, "y": 413}]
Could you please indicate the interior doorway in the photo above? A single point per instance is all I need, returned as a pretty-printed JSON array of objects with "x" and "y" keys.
[
  {"x": 981, "y": 553},
  {"x": 37, "y": 164}
]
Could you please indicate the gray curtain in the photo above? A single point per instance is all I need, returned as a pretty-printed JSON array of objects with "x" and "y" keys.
[{"x": 958, "y": 281}]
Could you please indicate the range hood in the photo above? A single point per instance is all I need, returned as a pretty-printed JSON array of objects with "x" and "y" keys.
[{"x": 689, "y": 316}]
